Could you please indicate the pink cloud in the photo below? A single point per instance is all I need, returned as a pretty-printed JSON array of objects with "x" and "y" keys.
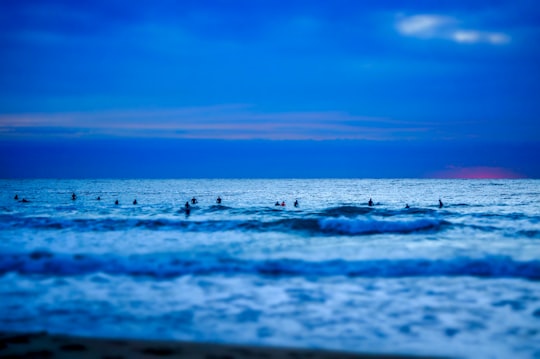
[
  {"x": 479, "y": 172},
  {"x": 234, "y": 121}
]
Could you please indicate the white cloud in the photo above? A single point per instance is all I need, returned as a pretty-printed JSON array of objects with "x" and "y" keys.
[
  {"x": 423, "y": 25},
  {"x": 446, "y": 27},
  {"x": 466, "y": 36},
  {"x": 498, "y": 38},
  {"x": 471, "y": 37}
]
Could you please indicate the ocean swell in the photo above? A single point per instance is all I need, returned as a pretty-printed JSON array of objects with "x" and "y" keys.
[
  {"x": 307, "y": 224},
  {"x": 166, "y": 265}
]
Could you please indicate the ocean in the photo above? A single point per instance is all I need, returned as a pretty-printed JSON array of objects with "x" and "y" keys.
[{"x": 334, "y": 273}]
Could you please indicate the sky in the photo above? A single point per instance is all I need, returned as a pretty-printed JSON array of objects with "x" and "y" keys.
[{"x": 260, "y": 88}]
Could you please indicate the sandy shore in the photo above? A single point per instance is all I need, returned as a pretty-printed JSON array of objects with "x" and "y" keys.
[{"x": 43, "y": 345}]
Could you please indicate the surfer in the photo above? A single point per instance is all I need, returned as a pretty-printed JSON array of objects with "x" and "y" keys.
[
  {"x": 98, "y": 198},
  {"x": 188, "y": 210},
  {"x": 296, "y": 203},
  {"x": 440, "y": 203},
  {"x": 218, "y": 200},
  {"x": 283, "y": 204},
  {"x": 407, "y": 205},
  {"x": 135, "y": 201},
  {"x": 73, "y": 196},
  {"x": 370, "y": 203},
  {"x": 16, "y": 197},
  {"x": 24, "y": 200},
  {"x": 194, "y": 200},
  {"x": 277, "y": 203},
  {"x": 116, "y": 202}
]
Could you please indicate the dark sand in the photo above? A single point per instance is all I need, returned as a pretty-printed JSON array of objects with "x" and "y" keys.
[{"x": 43, "y": 345}]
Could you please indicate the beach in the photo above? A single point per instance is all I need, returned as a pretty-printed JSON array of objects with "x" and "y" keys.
[{"x": 43, "y": 345}]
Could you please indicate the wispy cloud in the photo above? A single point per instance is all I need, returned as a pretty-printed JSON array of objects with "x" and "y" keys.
[
  {"x": 472, "y": 36},
  {"x": 445, "y": 27},
  {"x": 424, "y": 26},
  {"x": 212, "y": 122}
]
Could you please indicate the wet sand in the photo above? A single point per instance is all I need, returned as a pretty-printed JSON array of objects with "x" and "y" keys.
[{"x": 44, "y": 345}]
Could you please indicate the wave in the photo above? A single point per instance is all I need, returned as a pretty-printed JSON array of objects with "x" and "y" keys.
[
  {"x": 362, "y": 226},
  {"x": 174, "y": 265},
  {"x": 346, "y": 211},
  {"x": 508, "y": 216},
  {"x": 530, "y": 233},
  {"x": 91, "y": 224},
  {"x": 310, "y": 225},
  {"x": 218, "y": 208},
  {"x": 355, "y": 211}
]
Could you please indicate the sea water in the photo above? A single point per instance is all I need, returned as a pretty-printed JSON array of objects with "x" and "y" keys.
[{"x": 461, "y": 281}]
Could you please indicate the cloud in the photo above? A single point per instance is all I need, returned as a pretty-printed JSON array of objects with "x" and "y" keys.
[
  {"x": 448, "y": 28},
  {"x": 211, "y": 122},
  {"x": 424, "y": 26},
  {"x": 471, "y": 37}
]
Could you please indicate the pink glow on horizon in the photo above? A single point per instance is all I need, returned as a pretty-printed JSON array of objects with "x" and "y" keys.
[{"x": 480, "y": 172}]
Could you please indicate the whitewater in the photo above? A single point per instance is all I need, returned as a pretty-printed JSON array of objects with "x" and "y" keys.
[{"x": 333, "y": 273}]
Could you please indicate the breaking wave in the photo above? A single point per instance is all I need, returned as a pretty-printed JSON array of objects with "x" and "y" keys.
[{"x": 369, "y": 226}]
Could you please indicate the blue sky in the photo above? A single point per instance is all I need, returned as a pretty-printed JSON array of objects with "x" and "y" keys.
[{"x": 269, "y": 88}]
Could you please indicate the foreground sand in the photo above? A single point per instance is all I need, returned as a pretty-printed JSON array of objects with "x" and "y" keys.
[{"x": 43, "y": 345}]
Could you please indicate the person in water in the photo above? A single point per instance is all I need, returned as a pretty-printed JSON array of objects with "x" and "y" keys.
[
  {"x": 440, "y": 203},
  {"x": 98, "y": 198},
  {"x": 194, "y": 200},
  {"x": 73, "y": 196},
  {"x": 187, "y": 205},
  {"x": 296, "y": 203},
  {"x": 24, "y": 200},
  {"x": 116, "y": 202},
  {"x": 370, "y": 203},
  {"x": 283, "y": 204},
  {"x": 135, "y": 201},
  {"x": 16, "y": 197},
  {"x": 407, "y": 205},
  {"x": 218, "y": 200}
]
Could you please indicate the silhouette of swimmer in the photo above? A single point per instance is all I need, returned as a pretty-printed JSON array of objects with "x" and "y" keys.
[
  {"x": 283, "y": 204},
  {"x": 277, "y": 203},
  {"x": 194, "y": 200},
  {"x": 135, "y": 201},
  {"x": 218, "y": 200},
  {"x": 440, "y": 203},
  {"x": 73, "y": 196},
  {"x": 188, "y": 210},
  {"x": 370, "y": 203},
  {"x": 99, "y": 198},
  {"x": 296, "y": 203},
  {"x": 187, "y": 205},
  {"x": 24, "y": 200},
  {"x": 116, "y": 202},
  {"x": 407, "y": 205},
  {"x": 16, "y": 197}
]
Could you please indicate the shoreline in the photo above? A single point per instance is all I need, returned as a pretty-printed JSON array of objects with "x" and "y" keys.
[{"x": 45, "y": 345}]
